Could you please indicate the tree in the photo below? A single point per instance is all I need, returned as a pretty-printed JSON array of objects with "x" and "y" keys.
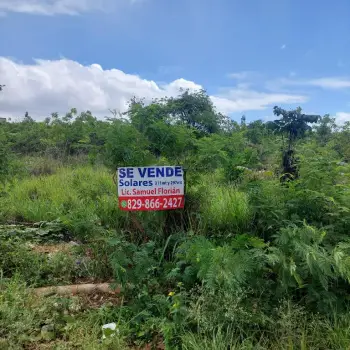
[
  {"x": 195, "y": 110},
  {"x": 256, "y": 131},
  {"x": 325, "y": 129},
  {"x": 294, "y": 125},
  {"x": 126, "y": 146},
  {"x": 142, "y": 116},
  {"x": 172, "y": 124},
  {"x": 342, "y": 142},
  {"x": 27, "y": 118},
  {"x": 170, "y": 141}
]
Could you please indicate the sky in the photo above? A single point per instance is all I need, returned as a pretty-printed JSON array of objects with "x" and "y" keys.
[{"x": 249, "y": 55}]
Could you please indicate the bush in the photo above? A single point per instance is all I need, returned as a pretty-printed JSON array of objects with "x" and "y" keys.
[{"x": 269, "y": 209}]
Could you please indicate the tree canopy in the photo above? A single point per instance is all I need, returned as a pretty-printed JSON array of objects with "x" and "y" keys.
[{"x": 185, "y": 129}]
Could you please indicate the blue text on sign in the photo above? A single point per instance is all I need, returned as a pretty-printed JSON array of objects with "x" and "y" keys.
[{"x": 151, "y": 172}]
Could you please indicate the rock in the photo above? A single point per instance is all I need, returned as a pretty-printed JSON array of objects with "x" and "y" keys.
[{"x": 48, "y": 332}]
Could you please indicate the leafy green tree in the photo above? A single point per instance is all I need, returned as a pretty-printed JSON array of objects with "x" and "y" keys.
[
  {"x": 195, "y": 110},
  {"x": 75, "y": 134},
  {"x": 172, "y": 124},
  {"x": 256, "y": 131},
  {"x": 227, "y": 152},
  {"x": 142, "y": 116},
  {"x": 342, "y": 142},
  {"x": 243, "y": 121},
  {"x": 170, "y": 141},
  {"x": 294, "y": 125},
  {"x": 211, "y": 153},
  {"x": 126, "y": 146},
  {"x": 167, "y": 137},
  {"x": 26, "y": 136},
  {"x": 325, "y": 129}
]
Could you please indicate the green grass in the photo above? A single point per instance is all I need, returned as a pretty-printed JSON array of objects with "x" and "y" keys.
[
  {"x": 310, "y": 333},
  {"x": 226, "y": 209},
  {"x": 82, "y": 198},
  {"x": 71, "y": 264},
  {"x": 48, "y": 197},
  {"x": 23, "y": 315},
  {"x": 237, "y": 305},
  {"x": 85, "y": 197}
]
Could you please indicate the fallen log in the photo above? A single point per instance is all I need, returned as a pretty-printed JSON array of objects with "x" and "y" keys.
[{"x": 76, "y": 289}]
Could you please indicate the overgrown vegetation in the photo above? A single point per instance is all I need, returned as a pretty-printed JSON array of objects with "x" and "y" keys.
[{"x": 252, "y": 262}]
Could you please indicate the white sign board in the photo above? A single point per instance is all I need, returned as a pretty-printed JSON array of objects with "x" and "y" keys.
[{"x": 151, "y": 188}]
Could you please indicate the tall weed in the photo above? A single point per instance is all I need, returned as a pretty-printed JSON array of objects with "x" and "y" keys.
[{"x": 225, "y": 210}]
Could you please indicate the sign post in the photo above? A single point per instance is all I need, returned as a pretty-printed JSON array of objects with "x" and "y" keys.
[{"x": 151, "y": 188}]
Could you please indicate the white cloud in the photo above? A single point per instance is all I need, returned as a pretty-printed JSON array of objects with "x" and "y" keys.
[
  {"x": 51, "y": 7},
  {"x": 240, "y": 100},
  {"x": 342, "y": 118},
  {"x": 242, "y": 75},
  {"x": 330, "y": 83},
  {"x": 56, "y": 86},
  {"x": 333, "y": 83},
  {"x": 181, "y": 83}
]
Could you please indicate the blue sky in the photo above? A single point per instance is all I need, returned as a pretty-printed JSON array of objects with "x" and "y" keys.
[{"x": 248, "y": 54}]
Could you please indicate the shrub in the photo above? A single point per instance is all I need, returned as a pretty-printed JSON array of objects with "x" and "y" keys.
[
  {"x": 229, "y": 266},
  {"x": 268, "y": 203}
]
